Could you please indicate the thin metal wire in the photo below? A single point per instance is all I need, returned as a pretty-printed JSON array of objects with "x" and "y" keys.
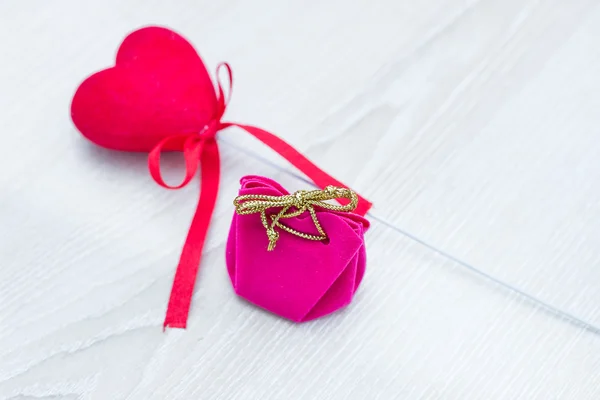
[{"x": 564, "y": 315}]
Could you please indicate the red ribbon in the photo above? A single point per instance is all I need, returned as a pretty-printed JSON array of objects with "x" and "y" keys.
[{"x": 201, "y": 149}]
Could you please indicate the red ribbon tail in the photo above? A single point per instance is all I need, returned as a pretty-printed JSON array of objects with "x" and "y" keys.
[
  {"x": 314, "y": 173},
  {"x": 189, "y": 261}
]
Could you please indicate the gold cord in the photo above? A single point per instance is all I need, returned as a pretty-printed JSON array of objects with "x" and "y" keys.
[{"x": 300, "y": 201}]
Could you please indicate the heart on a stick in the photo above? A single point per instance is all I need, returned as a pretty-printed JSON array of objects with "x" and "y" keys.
[
  {"x": 159, "y": 97},
  {"x": 158, "y": 87}
]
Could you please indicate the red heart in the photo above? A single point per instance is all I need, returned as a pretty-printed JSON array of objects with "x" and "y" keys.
[{"x": 158, "y": 87}]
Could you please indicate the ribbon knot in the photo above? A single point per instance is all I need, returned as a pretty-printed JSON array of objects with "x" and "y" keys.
[
  {"x": 200, "y": 150},
  {"x": 300, "y": 199},
  {"x": 210, "y": 130},
  {"x": 292, "y": 206},
  {"x": 273, "y": 236}
]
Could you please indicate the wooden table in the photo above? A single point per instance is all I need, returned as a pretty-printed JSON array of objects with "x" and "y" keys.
[{"x": 473, "y": 125}]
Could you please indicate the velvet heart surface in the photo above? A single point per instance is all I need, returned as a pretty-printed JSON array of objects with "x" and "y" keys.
[
  {"x": 158, "y": 87},
  {"x": 300, "y": 279}
]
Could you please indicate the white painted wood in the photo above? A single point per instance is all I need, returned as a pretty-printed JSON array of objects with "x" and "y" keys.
[
  {"x": 495, "y": 154},
  {"x": 472, "y": 124}
]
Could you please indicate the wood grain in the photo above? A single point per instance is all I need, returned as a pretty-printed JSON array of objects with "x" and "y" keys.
[{"x": 470, "y": 123}]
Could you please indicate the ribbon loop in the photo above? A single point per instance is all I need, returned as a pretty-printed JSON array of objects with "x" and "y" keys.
[
  {"x": 192, "y": 148},
  {"x": 223, "y": 100}
]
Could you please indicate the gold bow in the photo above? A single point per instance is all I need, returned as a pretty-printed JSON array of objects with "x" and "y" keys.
[{"x": 300, "y": 201}]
